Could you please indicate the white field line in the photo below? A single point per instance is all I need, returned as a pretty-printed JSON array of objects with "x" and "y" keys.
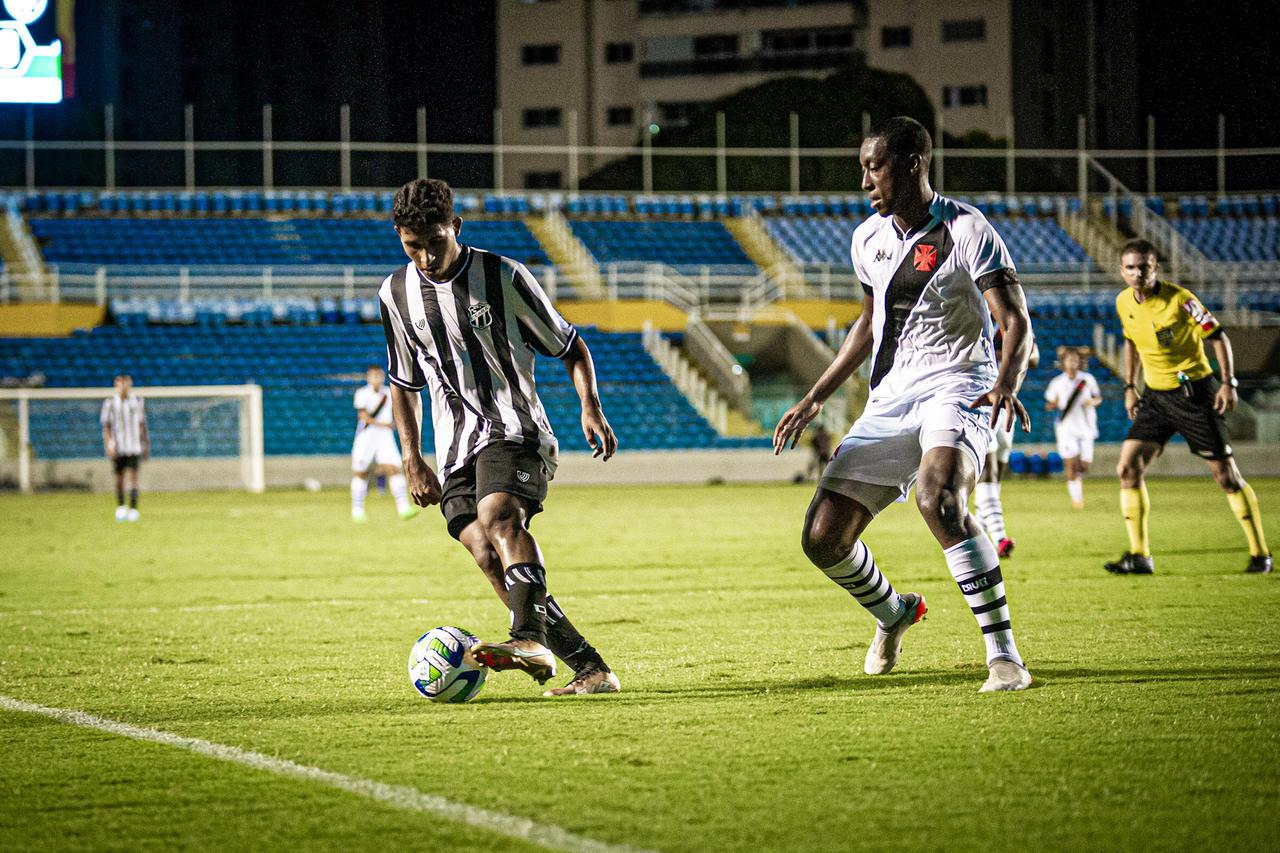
[
  {"x": 199, "y": 608},
  {"x": 399, "y": 796}
]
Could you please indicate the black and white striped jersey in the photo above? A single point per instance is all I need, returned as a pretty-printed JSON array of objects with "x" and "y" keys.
[
  {"x": 124, "y": 418},
  {"x": 470, "y": 341}
]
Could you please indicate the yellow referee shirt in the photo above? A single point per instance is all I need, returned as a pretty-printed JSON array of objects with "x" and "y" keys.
[{"x": 1168, "y": 329}]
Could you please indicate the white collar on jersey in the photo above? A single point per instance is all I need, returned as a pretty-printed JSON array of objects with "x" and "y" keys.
[
  {"x": 462, "y": 267},
  {"x": 935, "y": 213}
]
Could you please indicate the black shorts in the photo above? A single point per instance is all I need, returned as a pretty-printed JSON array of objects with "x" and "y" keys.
[
  {"x": 129, "y": 461},
  {"x": 504, "y": 466},
  {"x": 1163, "y": 413}
]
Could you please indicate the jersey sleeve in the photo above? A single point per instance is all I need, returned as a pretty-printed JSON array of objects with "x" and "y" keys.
[
  {"x": 1206, "y": 324},
  {"x": 104, "y": 417},
  {"x": 1095, "y": 392},
  {"x": 541, "y": 325},
  {"x": 1051, "y": 390},
  {"x": 403, "y": 368},
  {"x": 858, "y": 269},
  {"x": 982, "y": 249},
  {"x": 355, "y": 401}
]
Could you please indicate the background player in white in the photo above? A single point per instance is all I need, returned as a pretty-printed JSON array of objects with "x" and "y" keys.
[
  {"x": 126, "y": 442},
  {"x": 1075, "y": 396},
  {"x": 986, "y": 493},
  {"x": 374, "y": 449},
  {"x": 935, "y": 273}
]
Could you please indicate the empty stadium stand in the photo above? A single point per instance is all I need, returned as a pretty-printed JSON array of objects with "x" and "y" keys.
[
  {"x": 309, "y": 373},
  {"x": 673, "y": 243}
]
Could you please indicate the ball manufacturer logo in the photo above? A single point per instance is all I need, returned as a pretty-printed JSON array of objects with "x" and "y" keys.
[
  {"x": 926, "y": 258},
  {"x": 480, "y": 315}
]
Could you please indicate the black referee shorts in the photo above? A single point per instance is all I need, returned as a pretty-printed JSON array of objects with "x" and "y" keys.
[
  {"x": 504, "y": 466},
  {"x": 1163, "y": 413},
  {"x": 128, "y": 461}
]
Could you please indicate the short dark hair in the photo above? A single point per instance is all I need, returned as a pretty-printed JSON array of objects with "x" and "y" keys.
[
  {"x": 421, "y": 203},
  {"x": 903, "y": 136},
  {"x": 1141, "y": 246}
]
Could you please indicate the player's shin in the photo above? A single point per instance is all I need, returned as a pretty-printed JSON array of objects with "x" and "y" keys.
[
  {"x": 976, "y": 568},
  {"x": 990, "y": 511},
  {"x": 861, "y": 578},
  {"x": 1244, "y": 504},
  {"x": 565, "y": 642},
  {"x": 1075, "y": 488},
  {"x": 359, "y": 488},
  {"x": 1135, "y": 505},
  {"x": 527, "y": 596},
  {"x": 399, "y": 491}
]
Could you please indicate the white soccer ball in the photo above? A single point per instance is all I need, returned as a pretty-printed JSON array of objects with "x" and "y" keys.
[
  {"x": 437, "y": 667},
  {"x": 311, "y": 484}
]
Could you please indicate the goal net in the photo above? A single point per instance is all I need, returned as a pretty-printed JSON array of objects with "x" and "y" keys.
[{"x": 201, "y": 437}]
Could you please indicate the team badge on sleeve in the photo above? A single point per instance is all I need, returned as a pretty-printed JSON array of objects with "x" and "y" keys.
[{"x": 1200, "y": 314}]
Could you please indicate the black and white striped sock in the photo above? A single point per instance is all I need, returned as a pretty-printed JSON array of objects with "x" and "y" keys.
[
  {"x": 527, "y": 596},
  {"x": 857, "y": 573},
  {"x": 566, "y": 642},
  {"x": 986, "y": 498},
  {"x": 976, "y": 568}
]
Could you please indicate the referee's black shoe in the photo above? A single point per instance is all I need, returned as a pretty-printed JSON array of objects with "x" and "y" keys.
[
  {"x": 1131, "y": 564},
  {"x": 1259, "y": 565}
]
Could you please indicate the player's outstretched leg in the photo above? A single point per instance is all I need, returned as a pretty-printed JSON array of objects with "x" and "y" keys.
[
  {"x": 830, "y": 540},
  {"x": 941, "y": 495},
  {"x": 359, "y": 489},
  {"x": 591, "y": 674},
  {"x": 986, "y": 498}
]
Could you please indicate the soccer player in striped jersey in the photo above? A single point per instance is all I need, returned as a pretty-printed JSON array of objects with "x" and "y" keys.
[
  {"x": 464, "y": 324},
  {"x": 938, "y": 280},
  {"x": 125, "y": 442}
]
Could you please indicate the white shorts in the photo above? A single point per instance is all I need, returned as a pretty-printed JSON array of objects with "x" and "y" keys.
[
  {"x": 877, "y": 462},
  {"x": 374, "y": 446},
  {"x": 1002, "y": 437},
  {"x": 1074, "y": 445}
]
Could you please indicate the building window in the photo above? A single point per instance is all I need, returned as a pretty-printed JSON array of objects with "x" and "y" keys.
[
  {"x": 545, "y": 117},
  {"x": 712, "y": 47},
  {"x": 970, "y": 29},
  {"x": 964, "y": 96},
  {"x": 540, "y": 54},
  {"x": 543, "y": 181},
  {"x": 620, "y": 116},
  {"x": 618, "y": 52},
  {"x": 891, "y": 37}
]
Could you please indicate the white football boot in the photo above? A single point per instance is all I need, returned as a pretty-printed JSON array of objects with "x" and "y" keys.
[
  {"x": 122, "y": 513},
  {"x": 133, "y": 515},
  {"x": 1005, "y": 675},
  {"x": 886, "y": 645}
]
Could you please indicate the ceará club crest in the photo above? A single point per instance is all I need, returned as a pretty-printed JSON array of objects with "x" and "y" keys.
[{"x": 480, "y": 315}]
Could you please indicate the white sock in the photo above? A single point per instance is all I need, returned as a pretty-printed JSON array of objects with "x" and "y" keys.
[
  {"x": 359, "y": 488},
  {"x": 1075, "y": 488},
  {"x": 990, "y": 512},
  {"x": 399, "y": 491},
  {"x": 976, "y": 568},
  {"x": 858, "y": 574}
]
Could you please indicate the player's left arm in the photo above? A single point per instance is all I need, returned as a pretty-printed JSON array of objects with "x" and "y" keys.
[
  {"x": 595, "y": 427},
  {"x": 143, "y": 432},
  {"x": 1226, "y": 398},
  {"x": 1008, "y": 304}
]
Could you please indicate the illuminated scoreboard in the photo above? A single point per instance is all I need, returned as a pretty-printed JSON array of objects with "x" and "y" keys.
[{"x": 30, "y": 53}]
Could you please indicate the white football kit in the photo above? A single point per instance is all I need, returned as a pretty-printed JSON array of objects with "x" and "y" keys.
[
  {"x": 1076, "y": 423},
  {"x": 375, "y": 444},
  {"x": 932, "y": 349}
]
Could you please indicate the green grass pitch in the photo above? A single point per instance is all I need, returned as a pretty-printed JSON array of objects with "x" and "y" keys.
[{"x": 273, "y": 624}]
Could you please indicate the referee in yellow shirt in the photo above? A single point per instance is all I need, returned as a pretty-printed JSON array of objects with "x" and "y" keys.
[{"x": 1166, "y": 326}]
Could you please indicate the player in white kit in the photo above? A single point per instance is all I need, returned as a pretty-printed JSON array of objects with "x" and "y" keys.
[
  {"x": 936, "y": 275},
  {"x": 374, "y": 449},
  {"x": 1075, "y": 396},
  {"x": 986, "y": 493}
]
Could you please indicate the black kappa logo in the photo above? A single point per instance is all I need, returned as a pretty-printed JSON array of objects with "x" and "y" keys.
[
  {"x": 881, "y": 255},
  {"x": 480, "y": 316}
]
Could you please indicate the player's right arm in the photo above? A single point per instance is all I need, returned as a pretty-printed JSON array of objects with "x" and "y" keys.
[
  {"x": 406, "y": 406},
  {"x": 108, "y": 443},
  {"x": 855, "y": 350},
  {"x": 1131, "y": 363}
]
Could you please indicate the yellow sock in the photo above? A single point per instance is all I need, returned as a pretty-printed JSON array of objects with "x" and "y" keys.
[
  {"x": 1135, "y": 507},
  {"x": 1244, "y": 504}
]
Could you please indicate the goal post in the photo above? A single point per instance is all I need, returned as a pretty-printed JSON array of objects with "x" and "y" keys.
[{"x": 191, "y": 422}]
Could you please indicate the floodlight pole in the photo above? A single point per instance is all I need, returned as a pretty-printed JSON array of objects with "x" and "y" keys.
[
  {"x": 344, "y": 129},
  {"x": 189, "y": 149},
  {"x": 1082, "y": 162},
  {"x": 268, "y": 171},
  {"x": 497, "y": 150},
  {"x": 722, "y": 165},
  {"x": 422, "y": 142},
  {"x": 573, "y": 150},
  {"x": 109, "y": 144},
  {"x": 646, "y": 158},
  {"x": 795, "y": 153},
  {"x": 1222, "y": 154},
  {"x": 1151, "y": 154}
]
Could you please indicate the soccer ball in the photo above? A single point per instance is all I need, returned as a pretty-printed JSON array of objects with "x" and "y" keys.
[{"x": 437, "y": 669}]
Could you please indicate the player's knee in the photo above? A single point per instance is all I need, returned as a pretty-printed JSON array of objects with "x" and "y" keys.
[
  {"x": 500, "y": 518},
  {"x": 825, "y": 545},
  {"x": 941, "y": 507},
  {"x": 1229, "y": 479},
  {"x": 1130, "y": 474}
]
